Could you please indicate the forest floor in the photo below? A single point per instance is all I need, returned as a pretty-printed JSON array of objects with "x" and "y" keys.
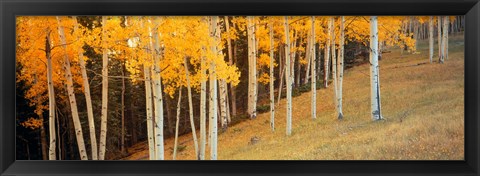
[{"x": 422, "y": 103}]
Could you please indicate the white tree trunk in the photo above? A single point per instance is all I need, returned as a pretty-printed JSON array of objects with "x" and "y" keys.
[
  {"x": 71, "y": 94},
  {"x": 223, "y": 103},
  {"x": 314, "y": 71},
  {"x": 288, "y": 78},
  {"x": 252, "y": 65},
  {"x": 203, "y": 109},
  {"x": 327, "y": 53},
  {"x": 149, "y": 108},
  {"x": 177, "y": 122},
  {"x": 334, "y": 66},
  {"x": 340, "y": 67},
  {"x": 88, "y": 99},
  {"x": 213, "y": 90},
  {"x": 374, "y": 70},
  {"x": 430, "y": 38},
  {"x": 157, "y": 94},
  {"x": 190, "y": 109},
  {"x": 104, "y": 115},
  {"x": 51, "y": 100},
  {"x": 272, "y": 96}
]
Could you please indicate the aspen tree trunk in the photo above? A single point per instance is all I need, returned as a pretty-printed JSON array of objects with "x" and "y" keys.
[
  {"x": 327, "y": 53},
  {"x": 190, "y": 109},
  {"x": 71, "y": 94},
  {"x": 51, "y": 100},
  {"x": 308, "y": 58},
  {"x": 334, "y": 67},
  {"x": 149, "y": 108},
  {"x": 157, "y": 93},
  {"x": 288, "y": 78},
  {"x": 203, "y": 109},
  {"x": 252, "y": 64},
  {"x": 223, "y": 103},
  {"x": 293, "y": 58},
  {"x": 430, "y": 38},
  {"x": 213, "y": 90},
  {"x": 281, "y": 72},
  {"x": 445, "y": 36},
  {"x": 177, "y": 122},
  {"x": 439, "y": 33},
  {"x": 103, "y": 123},
  {"x": 374, "y": 70},
  {"x": 340, "y": 67},
  {"x": 272, "y": 96},
  {"x": 88, "y": 99},
  {"x": 314, "y": 71},
  {"x": 230, "y": 62}
]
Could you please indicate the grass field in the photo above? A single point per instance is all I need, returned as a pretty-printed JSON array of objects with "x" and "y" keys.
[{"x": 422, "y": 103}]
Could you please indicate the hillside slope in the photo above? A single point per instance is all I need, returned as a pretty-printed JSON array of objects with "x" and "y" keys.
[{"x": 423, "y": 105}]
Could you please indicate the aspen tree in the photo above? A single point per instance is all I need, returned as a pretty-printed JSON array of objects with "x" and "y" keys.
[
  {"x": 314, "y": 71},
  {"x": 104, "y": 114},
  {"x": 190, "y": 109},
  {"x": 288, "y": 78},
  {"x": 157, "y": 93},
  {"x": 445, "y": 38},
  {"x": 340, "y": 67},
  {"x": 439, "y": 34},
  {"x": 213, "y": 89},
  {"x": 71, "y": 94},
  {"x": 176, "y": 123},
  {"x": 334, "y": 66},
  {"x": 51, "y": 99},
  {"x": 252, "y": 73},
  {"x": 327, "y": 53},
  {"x": 88, "y": 99},
  {"x": 272, "y": 96},
  {"x": 374, "y": 70}
]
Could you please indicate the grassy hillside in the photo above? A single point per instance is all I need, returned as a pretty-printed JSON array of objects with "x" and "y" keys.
[{"x": 423, "y": 105}]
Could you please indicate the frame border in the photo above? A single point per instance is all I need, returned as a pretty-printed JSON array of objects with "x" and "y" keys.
[{"x": 11, "y": 8}]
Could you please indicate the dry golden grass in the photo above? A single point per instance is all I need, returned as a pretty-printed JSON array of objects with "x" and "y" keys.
[{"x": 423, "y": 106}]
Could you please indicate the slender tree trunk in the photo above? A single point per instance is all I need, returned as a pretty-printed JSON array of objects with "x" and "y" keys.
[
  {"x": 88, "y": 99},
  {"x": 230, "y": 62},
  {"x": 374, "y": 70},
  {"x": 213, "y": 89},
  {"x": 334, "y": 67},
  {"x": 314, "y": 71},
  {"x": 71, "y": 94},
  {"x": 281, "y": 73},
  {"x": 177, "y": 122},
  {"x": 327, "y": 53},
  {"x": 288, "y": 78},
  {"x": 157, "y": 93},
  {"x": 430, "y": 37},
  {"x": 272, "y": 96},
  {"x": 51, "y": 100},
  {"x": 190, "y": 108},
  {"x": 252, "y": 64},
  {"x": 149, "y": 108},
  {"x": 203, "y": 109},
  {"x": 103, "y": 124},
  {"x": 223, "y": 103},
  {"x": 340, "y": 67}
]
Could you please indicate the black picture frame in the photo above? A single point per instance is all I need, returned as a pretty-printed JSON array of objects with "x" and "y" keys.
[{"x": 11, "y": 8}]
